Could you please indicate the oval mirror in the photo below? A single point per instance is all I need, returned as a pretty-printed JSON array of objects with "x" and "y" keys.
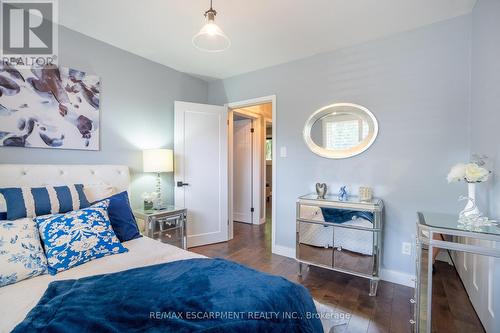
[{"x": 340, "y": 130}]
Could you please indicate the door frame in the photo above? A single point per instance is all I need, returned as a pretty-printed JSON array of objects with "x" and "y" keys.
[
  {"x": 264, "y": 202},
  {"x": 242, "y": 104}
]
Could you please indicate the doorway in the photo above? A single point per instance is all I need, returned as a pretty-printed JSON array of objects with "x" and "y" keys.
[
  {"x": 250, "y": 166},
  {"x": 244, "y": 168},
  {"x": 269, "y": 172}
]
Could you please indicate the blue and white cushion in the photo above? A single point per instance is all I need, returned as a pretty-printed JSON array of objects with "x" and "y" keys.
[
  {"x": 21, "y": 254},
  {"x": 77, "y": 237},
  {"x": 36, "y": 201}
]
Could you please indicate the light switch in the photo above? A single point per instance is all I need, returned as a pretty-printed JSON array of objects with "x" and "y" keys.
[{"x": 283, "y": 151}]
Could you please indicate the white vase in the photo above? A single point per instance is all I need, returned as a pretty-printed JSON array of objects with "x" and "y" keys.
[{"x": 471, "y": 207}]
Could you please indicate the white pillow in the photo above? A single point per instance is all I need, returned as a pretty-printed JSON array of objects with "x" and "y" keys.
[
  {"x": 21, "y": 253},
  {"x": 97, "y": 192}
]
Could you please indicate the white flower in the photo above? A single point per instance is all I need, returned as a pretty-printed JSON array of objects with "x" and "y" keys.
[
  {"x": 474, "y": 173},
  {"x": 457, "y": 173}
]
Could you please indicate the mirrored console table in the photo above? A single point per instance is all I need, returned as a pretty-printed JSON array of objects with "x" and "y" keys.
[
  {"x": 349, "y": 240},
  {"x": 457, "y": 236}
]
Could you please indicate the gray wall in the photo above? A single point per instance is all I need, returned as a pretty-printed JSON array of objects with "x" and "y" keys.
[
  {"x": 137, "y": 104},
  {"x": 485, "y": 139},
  {"x": 485, "y": 96},
  {"x": 417, "y": 85}
]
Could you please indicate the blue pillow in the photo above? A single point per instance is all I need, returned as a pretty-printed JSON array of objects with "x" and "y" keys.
[
  {"x": 30, "y": 202},
  {"x": 121, "y": 217},
  {"x": 77, "y": 237}
]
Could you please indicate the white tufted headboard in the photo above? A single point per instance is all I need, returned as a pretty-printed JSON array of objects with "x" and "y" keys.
[{"x": 16, "y": 175}]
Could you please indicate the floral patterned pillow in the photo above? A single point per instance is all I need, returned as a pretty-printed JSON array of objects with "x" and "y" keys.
[
  {"x": 77, "y": 237},
  {"x": 21, "y": 254}
]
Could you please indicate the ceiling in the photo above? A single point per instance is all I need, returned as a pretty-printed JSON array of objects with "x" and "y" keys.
[{"x": 263, "y": 32}]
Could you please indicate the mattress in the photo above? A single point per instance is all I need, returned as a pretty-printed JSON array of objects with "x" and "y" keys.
[
  {"x": 16, "y": 300},
  {"x": 354, "y": 240}
]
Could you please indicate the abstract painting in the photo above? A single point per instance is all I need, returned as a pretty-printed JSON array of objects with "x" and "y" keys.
[{"x": 49, "y": 107}]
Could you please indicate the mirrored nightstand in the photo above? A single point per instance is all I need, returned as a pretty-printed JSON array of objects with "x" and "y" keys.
[{"x": 167, "y": 225}]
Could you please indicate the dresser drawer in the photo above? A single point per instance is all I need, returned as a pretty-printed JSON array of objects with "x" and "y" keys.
[
  {"x": 171, "y": 236},
  {"x": 312, "y": 249}
]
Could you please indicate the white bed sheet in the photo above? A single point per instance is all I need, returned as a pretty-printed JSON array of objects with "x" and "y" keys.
[{"x": 18, "y": 299}]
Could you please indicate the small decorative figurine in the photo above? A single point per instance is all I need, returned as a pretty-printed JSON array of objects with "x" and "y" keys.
[
  {"x": 471, "y": 218},
  {"x": 343, "y": 194},
  {"x": 365, "y": 193},
  {"x": 321, "y": 190}
]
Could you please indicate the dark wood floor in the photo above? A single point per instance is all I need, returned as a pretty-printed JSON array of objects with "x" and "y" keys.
[{"x": 389, "y": 311}]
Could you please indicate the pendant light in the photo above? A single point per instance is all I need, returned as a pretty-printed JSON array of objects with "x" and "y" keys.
[{"x": 211, "y": 38}]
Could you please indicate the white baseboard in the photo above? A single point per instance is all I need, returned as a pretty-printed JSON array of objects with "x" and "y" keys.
[
  {"x": 397, "y": 277},
  {"x": 240, "y": 217},
  {"x": 284, "y": 251}
]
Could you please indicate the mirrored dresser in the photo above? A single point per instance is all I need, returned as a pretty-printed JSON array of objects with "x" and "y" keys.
[{"x": 343, "y": 236}]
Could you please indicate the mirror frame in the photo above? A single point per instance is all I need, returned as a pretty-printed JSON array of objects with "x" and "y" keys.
[{"x": 338, "y": 154}]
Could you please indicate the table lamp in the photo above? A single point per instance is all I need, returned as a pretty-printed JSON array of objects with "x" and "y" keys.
[{"x": 158, "y": 160}]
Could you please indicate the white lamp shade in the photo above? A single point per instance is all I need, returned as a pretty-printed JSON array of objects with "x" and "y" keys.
[
  {"x": 211, "y": 38},
  {"x": 158, "y": 160}
]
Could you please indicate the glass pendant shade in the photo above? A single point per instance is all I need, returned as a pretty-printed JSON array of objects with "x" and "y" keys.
[{"x": 211, "y": 38}]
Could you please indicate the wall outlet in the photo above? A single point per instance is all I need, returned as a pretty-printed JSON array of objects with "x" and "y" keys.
[{"x": 406, "y": 248}]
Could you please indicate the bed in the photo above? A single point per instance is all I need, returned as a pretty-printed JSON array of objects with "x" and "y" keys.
[
  {"x": 143, "y": 251},
  {"x": 20, "y": 299}
]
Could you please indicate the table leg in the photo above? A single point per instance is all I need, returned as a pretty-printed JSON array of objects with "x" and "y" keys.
[
  {"x": 148, "y": 227},
  {"x": 429, "y": 287},
  {"x": 184, "y": 231},
  {"x": 373, "y": 288}
]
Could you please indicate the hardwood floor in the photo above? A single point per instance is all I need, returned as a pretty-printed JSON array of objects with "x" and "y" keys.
[{"x": 389, "y": 311}]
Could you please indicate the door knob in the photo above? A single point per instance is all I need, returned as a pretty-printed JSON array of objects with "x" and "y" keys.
[{"x": 181, "y": 184}]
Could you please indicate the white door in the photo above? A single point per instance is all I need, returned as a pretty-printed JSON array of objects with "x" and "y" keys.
[
  {"x": 242, "y": 172},
  {"x": 200, "y": 145}
]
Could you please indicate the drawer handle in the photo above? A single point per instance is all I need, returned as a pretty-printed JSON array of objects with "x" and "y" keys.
[
  {"x": 412, "y": 322},
  {"x": 412, "y": 301}
]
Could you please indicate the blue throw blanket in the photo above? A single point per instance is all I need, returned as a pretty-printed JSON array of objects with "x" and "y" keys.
[
  {"x": 334, "y": 215},
  {"x": 209, "y": 295}
]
